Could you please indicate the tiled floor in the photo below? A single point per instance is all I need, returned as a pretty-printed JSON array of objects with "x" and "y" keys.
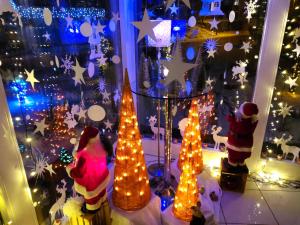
[{"x": 261, "y": 204}]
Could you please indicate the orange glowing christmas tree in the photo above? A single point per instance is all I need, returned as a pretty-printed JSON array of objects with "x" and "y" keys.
[
  {"x": 131, "y": 184},
  {"x": 187, "y": 193},
  {"x": 191, "y": 148}
]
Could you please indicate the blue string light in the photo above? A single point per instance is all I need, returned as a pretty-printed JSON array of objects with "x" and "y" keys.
[
  {"x": 19, "y": 87},
  {"x": 37, "y": 13}
]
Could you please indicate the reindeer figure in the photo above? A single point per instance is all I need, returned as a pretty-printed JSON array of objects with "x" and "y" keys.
[
  {"x": 218, "y": 139},
  {"x": 58, "y": 205},
  {"x": 289, "y": 149},
  {"x": 155, "y": 130}
]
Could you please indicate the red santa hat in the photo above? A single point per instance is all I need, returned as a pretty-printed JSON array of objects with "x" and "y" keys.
[
  {"x": 87, "y": 134},
  {"x": 249, "y": 110}
]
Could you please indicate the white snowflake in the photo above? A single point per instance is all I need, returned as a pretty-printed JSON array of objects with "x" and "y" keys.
[
  {"x": 40, "y": 167},
  {"x": 250, "y": 8},
  {"x": 239, "y": 69},
  {"x": 101, "y": 85},
  {"x": 67, "y": 64}
]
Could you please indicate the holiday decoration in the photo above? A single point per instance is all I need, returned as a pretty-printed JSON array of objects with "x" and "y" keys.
[
  {"x": 64, "y": 156},
  {"x": 47, "y": 16},
  {"x": 100, "y": 28},
  {"x": 291, "y": 82},
  {"x": 47, "y": 36},
  {"x": 240, "y": 136},
  {"x": 146, "y": 27},
  {"x": 209, "y": 82},
  {"x": 67, "y": 64},
  {"x": 89, "y": 171},
  {"x": 217, "y": 138},
  {"x": 131, "y": 185},
  {"x": 86, "y": 29},
  {"x": 91, "y": 69},
  {"x": 170, "y": 2},
  {"x": 231, "y": 16},
  {"x": 78, "y": 73},
  {"x": 228, "y": 46},
  {"x": 108, "y": 124},
  {"x": 250, "y": 8},
  {"x": 105, "y": 96},
  {"x": 115, "y": 17},
  {"x": 288, "y": 148},
  {"x": 297, "y": 50},
  {"x": 191, "y": 148},
  {"x": 50, "y": 169},
  {"x": 69, "y": 21},
  {"x": 157, "y": 132},
  {"x": 102, "y": 60},
  {"x": 214, "y": 24},
  {"x": 30, "y": 78},
  {"x": 81, "y": 114},
  {"x": 246, "y": 46},
  {"x": 192, "y": 21},
  {"x": 187, "y": 192},
  {"x": 284, "y": 110},
  {"x": 177, "y": 67},
  {"x": 40, "y": 126},
  {"x": 211, "y": 53},
  {"x": 58, "y": 205},
  {"x": 116, "y": 59},
  {"x": 174, "y": 9},
  {"x": 96, "y": 113}
]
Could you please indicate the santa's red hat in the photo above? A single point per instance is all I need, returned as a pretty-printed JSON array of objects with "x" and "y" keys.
[
  {"x": 249, "y": 110},
  {"x": 87, "y": 134}
]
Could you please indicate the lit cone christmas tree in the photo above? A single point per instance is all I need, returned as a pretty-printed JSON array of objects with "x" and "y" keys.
[
  {"x": 191, "y": 148},
  {"x": 187, "y": 193},
  {"x": 131, "y": 184}
]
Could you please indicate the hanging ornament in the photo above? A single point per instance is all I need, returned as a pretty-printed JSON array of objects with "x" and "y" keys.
[
  {"x": 246, "y": 46},
  {"x": 284, "y": 110},
  {"x": 192, "y": 21},
  {"x": 96, "y": 113},
  {"x": 250, "y": 8},
  {"x": 231, "y": 16},
  {"x": 228, "y": 47},
  {"x": 170, "y": 2},
  {"x": 31, "y": 79},
  {"x": 69, "y": 21},
  {"x": 78, "y": 73},
  {"x": 47, "y": 14},
  {"x": 116, "y": 59},
  {"x": 40, "y": 126},
  {"x": 91, "y": 69},
  {"x": 86, "y": 29},
  {"x": 291, "y": 82}
]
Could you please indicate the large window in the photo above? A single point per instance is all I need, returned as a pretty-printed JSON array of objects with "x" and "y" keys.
[
  {"x": 282, "y": 139},
  {"x": 60, "y": 62}
]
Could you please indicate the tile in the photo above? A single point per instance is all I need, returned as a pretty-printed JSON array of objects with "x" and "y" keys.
[
  {"x": 272, "y": 187},
  {"x": 248, "y": 208},
  {"x": 251, "y": 185},
  {"x": 285, "y": 206}
]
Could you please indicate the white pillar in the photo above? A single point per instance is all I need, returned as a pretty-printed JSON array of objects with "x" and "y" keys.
[
  {"x": 272, "y": 39},
  {"x": 14, "y": 186}
]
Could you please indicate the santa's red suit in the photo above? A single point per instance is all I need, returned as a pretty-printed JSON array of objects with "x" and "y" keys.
[
  {"x": 240, "y": 136},
  {"x": 89, "y": 170}
]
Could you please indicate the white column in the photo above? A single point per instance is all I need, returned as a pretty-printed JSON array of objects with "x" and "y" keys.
[
  {"x": 14, "y": 187},
  {"x": 272, "y": 39}
]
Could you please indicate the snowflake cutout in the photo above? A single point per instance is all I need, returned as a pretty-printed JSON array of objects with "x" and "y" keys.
[
  {"x": 67, "y": 64},
  {"x": 284, "y": 110},
  {"x": 40, "y": 167},
  {"x": 210, "y": 44},
  {"x": 239, "y": 69},
  {"x": 101, "y": 85},
  {"x": 250, "y": 8}
]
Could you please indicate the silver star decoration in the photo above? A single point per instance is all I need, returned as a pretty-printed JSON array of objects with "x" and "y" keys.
[
  {"x": 246, "y": 46},
  {"x": 177, "y": 68},
  {"x": 297, "y": 50},
  {"x": 170, "y": 2},
  {"x": 100, "y": 28},
  {"x": 69, "y": 21},
  {"x": 47, "y": 36},
  {"x": 81, "y": 113},
  {"x": 102, "y": 60},
  {"x": 214, "y": 24},
  {"x": 108, "y": 124},
  {"x": 40, "y": 127},
  {"x": 284, "y": 110},
  {"x": 291, "y": 82},
  {"x": 30, "y": 78},
  {"x": 78, "y": 73},
  {"x": 115, "y": 17},
  {"x": 209, "y": 81},
  {"x": 50, "y": 169},
  {"x": 174, "y": 9},
  {"x": 146, "y": 27},
  {"x": 105, "y": 95},
  {"x": 211, "y": 53}
]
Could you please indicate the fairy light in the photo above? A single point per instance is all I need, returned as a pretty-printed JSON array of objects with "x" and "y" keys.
[{"x": 131, "y": 185}]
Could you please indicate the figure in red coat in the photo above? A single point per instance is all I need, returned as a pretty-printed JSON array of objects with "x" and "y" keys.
[
  {"x": 240, "y": 137},
  {"x": 89, "y": 170}
]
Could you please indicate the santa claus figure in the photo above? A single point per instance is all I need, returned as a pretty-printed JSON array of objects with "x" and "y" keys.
[
  {"x": 90, "y": 172},
  {"x": 240, "y": 137}
]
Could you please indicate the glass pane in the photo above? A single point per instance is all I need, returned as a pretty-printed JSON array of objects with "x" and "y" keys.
[
  {"x": 60, "y": 62},
  {"x": 282, "y": 139},
  {"x": 220, "y": 40}
]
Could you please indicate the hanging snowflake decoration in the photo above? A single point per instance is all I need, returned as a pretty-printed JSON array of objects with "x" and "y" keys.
[
  {"x": 284, "y": 110},
  {"x": 40, "y": 167},
  {"x": 210, "y": 44},
  {"x": 239, "y": 69},
  {"x": 101, "y": 85},
  {"x": 67, "y": 64},
  {"x": 250, "y": 8}
]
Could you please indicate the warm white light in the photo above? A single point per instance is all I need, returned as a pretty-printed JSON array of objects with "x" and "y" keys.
[
  {"x": 17, "y": 118},
  {"x": 29, "y": 139},
  {"x": 165, "y": 71}
]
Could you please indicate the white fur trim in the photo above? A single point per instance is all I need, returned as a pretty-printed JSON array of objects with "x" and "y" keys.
[
  {"x": 92, "y": 194},
  {"x": 98, "y": 204},
  {"x": 238, "y": 149}
]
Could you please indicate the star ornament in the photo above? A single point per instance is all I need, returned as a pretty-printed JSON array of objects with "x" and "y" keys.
[
  {"x": 297, "y": 50},
  {"x": 146, "y": 27},
  {"x": 115, "y": 17},
  {"x": 30, "y": 78},
  {"x": 211, "y": 53},
  {"x": 105, "y": 95},
  {"x": 177, "y": 68},
  {"x": 40, "y": 127},
  {"x": 69, "y": 21},
  {"x": 108, "y": 125},
  {"x": 102, "y": 60},
  {"x": 170, "y": 2},
  {"x": 284, "y": 110},
  {"x": 214, "y": 24},
  {"x": 209, "y": 82},
  {"x": 47, "y": 36},
  {"x": 100, "y": 28},
  {"x": 81, "y": 114},
  {"x": 50, "y": 169},
  {"x": 174, "y": 9},
  {"x": 291, "y": 82},
  {"x": 78, "y": 73},
  {"x": 246, "y": 46}
]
